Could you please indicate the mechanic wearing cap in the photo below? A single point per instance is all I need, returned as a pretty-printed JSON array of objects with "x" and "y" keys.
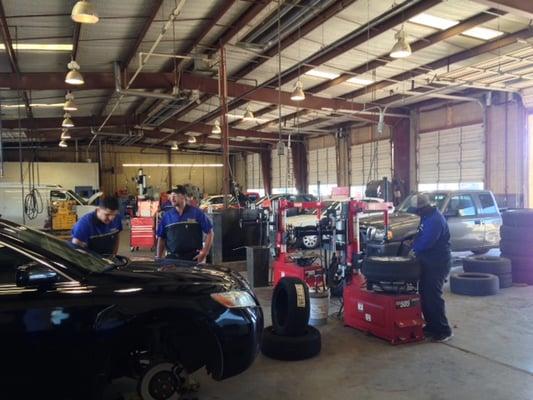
[
  {"x": 181, "y": 230},
  {"x": 432, "y": 249},
  {"x": 99, "y": 230}
]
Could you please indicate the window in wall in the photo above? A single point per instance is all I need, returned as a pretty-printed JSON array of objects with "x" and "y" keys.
[
  {"x": 463, "y": 205},
  {"x": 428, "y": 187}
]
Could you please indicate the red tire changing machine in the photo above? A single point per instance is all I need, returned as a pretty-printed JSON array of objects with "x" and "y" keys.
[{"x": 390, "y": 311}]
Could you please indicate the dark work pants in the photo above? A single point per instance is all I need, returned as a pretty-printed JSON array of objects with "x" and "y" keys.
[{"x": 430, "y": 286}]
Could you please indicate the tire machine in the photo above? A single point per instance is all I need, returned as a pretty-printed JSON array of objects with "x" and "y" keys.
[
  {"x": 291, "y": 262},
  {"x": 391, "y": 312}
]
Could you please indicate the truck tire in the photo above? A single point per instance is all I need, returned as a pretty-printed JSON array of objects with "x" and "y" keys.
[
  {"x": 522, "y": 269},
  {"x": 518, "y": 218},
  {"x": 474, "y": 284},
  {"x": 516, "y": 234},
  {"x": 291, "y": 348},
  {"x": 506, "y": 281},
  {"x": 290, "y": 307},
  {"x": 391, "y": 269},
  {"x": 487, "y": 265},
  {"x": 512, "y": 249}
]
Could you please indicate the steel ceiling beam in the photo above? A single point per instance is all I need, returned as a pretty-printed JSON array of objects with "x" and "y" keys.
[
  {"x": 523, "y": 8},
  {"x": 443, "y": 62},
  {"x": 156, "y": 5},
  {"x": 13, "y": 61}
]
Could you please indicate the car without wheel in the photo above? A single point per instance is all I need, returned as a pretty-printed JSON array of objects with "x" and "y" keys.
[{"x": 71, "y": 321}]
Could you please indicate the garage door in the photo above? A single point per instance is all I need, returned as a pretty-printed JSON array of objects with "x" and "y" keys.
[
  {"x": 322, "y": 167},
  {"x": 451, "y": 158},
  {"x": 282, "y": 174},
  {"x": 370, "y": 161},
  {"x": 254, "y": 174}
]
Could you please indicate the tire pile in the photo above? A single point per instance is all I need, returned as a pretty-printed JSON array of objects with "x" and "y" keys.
[
  {"x": 517, "y": 243},
  {"x": 291, "y": 338}
]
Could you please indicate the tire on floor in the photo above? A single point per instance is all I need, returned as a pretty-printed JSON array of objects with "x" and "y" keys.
[
  {"x": 516, "y": 234},
  {"x": 290, "y": 307},
  {"x": 487, "y": 265},
  {"x": 474, "y": 284},
  {"x": 291, "y": 348},
  {"x": 513, "y": 249},
  {"x": 518, "y": 218}
]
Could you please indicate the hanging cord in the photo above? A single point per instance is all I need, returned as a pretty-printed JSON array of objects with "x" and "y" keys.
[{"x": 33, "y": 201}]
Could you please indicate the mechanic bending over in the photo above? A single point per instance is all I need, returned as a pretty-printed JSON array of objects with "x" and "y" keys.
[
  {"x": 431, "y": 246},
  {"x": 99, "y": 230},
  {"x": 181, "y": 229}
]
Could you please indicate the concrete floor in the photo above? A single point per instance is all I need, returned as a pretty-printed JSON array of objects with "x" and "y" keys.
[{"x": 490, "y": 357}]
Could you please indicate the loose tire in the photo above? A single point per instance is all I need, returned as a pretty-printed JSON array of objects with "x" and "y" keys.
[
  {"x": 391, "y": 269},
  {"x": 291, "y": 348},
  {"x": 474, "y": 284},
  {"x": 487, "y": 265},
  {"x": 513, "y": 249},
  {"x": 290, "y": 307},
  {"x": 506, "y": 280},
  {"x": 518, "y": 218},
  {"x": 516, "y": 234},
  {"x": 522, "y": 269}
]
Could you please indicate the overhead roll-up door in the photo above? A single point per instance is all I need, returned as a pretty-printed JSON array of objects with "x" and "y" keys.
[
  {"x": 451, "y": 158},
  {"x": 370, "y": 161},
  {"x": 254, "y": 174},
  {"x": 282, "y": 172},
  {"x": 322, "y": 167}
]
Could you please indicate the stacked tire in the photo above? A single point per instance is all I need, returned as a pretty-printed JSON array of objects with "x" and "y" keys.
[
  {"x": 517, "y": 243},
  {"x": 291, "y": 338},
  {"x": 498, "y": 266}
]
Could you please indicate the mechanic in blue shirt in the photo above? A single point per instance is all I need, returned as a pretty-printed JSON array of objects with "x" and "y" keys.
[
  {"x": 181, "y": 230},
  {"x": 99, "y": 230},
  {"x": 432, "y": 249}
]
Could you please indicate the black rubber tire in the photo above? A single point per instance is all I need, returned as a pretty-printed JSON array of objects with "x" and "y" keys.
[
  {"x": 290, "y": 307},
  {"x": 391, "y": 269},
  {"x": 513, "y": 249},
  {"x": 291, "y": 348},
  {"x": 516, "y": 234},
  {"x": 506, "y": 280},
  {"x": 474, "y": 284},
  {"x": 487, "y": 265},
  {"x": 518, "y": 218}
]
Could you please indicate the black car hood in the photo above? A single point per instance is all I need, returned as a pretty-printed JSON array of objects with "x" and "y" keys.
[
  {"x": 402, "y": 224},
  {"x": 205, "y": 279}
]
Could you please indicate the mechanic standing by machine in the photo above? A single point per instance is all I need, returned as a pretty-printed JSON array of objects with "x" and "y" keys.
[
  {"x": 181, "y": 230},
  {"x": 432, "y": 249},
  {"x": 99, "y": 230}
]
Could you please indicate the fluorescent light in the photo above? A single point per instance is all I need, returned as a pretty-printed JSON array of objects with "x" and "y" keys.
[
  {"x": 34, "y": 105},
  {"x": 482, "y": 33},
  {"x": 433, "y": 21},
  {"x": 39, "y": 47},
  {"x": 173, "y": 165},
  {"x": 322, "y": 74},
  {"x": 360, "y": 81}
]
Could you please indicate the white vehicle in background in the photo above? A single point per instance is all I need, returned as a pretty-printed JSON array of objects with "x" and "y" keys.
[{"x": 14, "y": 196}]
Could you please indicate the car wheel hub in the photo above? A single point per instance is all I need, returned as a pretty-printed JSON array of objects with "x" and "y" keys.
[
  {"x": 162, "y": 381},
  {"x": 310, "y": 241}
]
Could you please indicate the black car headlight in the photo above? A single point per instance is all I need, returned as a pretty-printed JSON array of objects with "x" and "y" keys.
[{"x": 234, "y": 299}]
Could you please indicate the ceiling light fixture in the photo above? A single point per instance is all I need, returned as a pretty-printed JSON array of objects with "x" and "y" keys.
[
  {"x": 65, "y": 135},
  {"x": 479, "y": 32},
  {"x": 83, "y": 12},
  {"x": 63, "y": 144},
  {"x": 191, "y": 139},
  {"x": 248, "y": 115},
  {"x": 74, "y": 77},
  {"x": 216, "y": 130},
  {"x": 401, "y": 48},
  {"x": 174, "y": 146},
  {"x": 433, "y": 21},
  {"x": 360, "y": 81},
  {"x": 298, "y": 92},
  {"x": 39, "y": 47},
  {"x": 67, "y": 122},
  {"x": 69, "y": 103},
  {"x": 322, "y": 74},
  {"x": 173, "y": 165}
]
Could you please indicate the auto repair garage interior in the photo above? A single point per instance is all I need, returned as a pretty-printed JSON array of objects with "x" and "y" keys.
[{"x": 314, "y": 136}]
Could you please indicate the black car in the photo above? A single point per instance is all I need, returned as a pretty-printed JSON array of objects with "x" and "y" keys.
[{"x": 71, "y": 321}]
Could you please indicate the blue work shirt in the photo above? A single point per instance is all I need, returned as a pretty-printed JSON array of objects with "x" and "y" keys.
[
  {"x": 433, "y": 238},
  {"x": 89, "y": 227},
  {"x": 190, "y": 214}
]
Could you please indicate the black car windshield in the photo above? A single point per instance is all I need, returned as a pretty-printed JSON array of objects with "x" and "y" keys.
[
  {"x": 85, "y": 260},
  {"x": 436, "y": 199}
]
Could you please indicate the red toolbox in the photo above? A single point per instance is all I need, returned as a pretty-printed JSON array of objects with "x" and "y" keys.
[{"x": 142, "y": 233}]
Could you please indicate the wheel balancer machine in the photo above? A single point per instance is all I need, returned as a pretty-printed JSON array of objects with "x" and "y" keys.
[{"x": 388, "y": 310}]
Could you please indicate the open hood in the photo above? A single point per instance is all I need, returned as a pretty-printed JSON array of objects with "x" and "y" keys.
[{"x": 94, "y": 197}]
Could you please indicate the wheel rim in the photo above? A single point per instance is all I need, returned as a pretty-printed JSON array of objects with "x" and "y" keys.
[
  {"x": 162, "y": 385},
  {"x": 310, "y": 241},
  {"x": 162, "y": 381}
]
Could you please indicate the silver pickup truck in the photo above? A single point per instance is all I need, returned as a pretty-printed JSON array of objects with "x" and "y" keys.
[{"x": 473, "y": 217}]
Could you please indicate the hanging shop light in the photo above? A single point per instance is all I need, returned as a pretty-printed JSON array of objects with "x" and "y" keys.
[
  {"x": 401, "y": 48},
  {"x": 65, "y": 135},
  {"x": 69, "y": 103},
  {"x": 174, "y": 146},
  {"x": 298, "y": 92},
  {"x": 74, "y": 77},
  {"x": 63, "y": 143},
  {"x": 84, "y": 12},
  {"x": 248, "y": 115},
  {"x": 67, "y": 122},
  {"x": 191, "y": 139},
  {"x": 216, "y": 128}
]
